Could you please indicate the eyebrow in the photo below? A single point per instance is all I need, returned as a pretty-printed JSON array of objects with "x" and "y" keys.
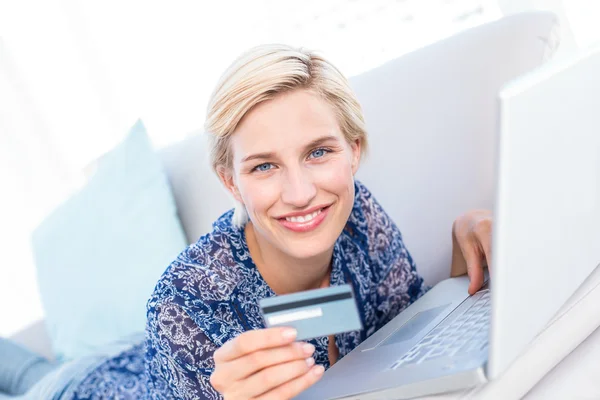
[{"x": 267, "y": 155}]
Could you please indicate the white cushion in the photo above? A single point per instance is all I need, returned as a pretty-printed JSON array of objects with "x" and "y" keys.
[{"x": 431, "y": 117}]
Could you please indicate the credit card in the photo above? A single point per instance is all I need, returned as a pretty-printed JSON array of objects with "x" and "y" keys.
[{"x": 314, "y": 313}]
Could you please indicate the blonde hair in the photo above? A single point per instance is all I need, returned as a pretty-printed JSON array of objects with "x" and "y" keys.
[{"x": 261, "y": 74}]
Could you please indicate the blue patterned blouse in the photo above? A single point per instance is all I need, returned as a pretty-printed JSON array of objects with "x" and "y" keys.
[{"x": 210, "y": 294}]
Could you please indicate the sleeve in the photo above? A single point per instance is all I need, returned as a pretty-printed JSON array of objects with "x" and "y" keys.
[
  {"x": 400, "y": 285},
  {"x": 397, "y": 282},
  {"x": 179, "y": 356}
]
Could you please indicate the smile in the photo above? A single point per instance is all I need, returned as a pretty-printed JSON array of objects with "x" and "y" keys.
[
  {"x": 305, "y": 222},
  {"x": 304, "y": 218}
]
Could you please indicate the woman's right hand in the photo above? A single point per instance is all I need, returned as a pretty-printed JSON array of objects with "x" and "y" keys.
[{"x": 264, "y": 364}]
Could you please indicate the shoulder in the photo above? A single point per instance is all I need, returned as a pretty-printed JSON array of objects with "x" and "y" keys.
[
  {"x": 380, "y": 237},
  {"x": 192, "y": 301},
  {"x": 369, "y": 219},
  {"x": 367, "y": 213},
  {"x": 206, "y": 271}
]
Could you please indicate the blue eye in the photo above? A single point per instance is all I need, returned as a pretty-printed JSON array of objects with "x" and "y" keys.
[
  {"x": 318, "y": 153},
  {"x": 263, "y": 167}
]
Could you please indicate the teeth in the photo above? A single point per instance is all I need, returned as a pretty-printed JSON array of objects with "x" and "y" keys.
[{"x": 303, "y": 218}]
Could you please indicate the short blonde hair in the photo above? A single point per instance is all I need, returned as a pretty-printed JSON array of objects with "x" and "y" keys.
[{"x": 261, "y": 74}]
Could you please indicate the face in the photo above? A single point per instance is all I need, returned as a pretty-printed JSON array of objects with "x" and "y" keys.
[{"x": 294, "y": 172}]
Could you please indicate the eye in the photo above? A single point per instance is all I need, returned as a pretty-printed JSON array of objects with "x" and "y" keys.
[
  {"x": 263, "y": 167},
  {"x": 318, "y": 153}
]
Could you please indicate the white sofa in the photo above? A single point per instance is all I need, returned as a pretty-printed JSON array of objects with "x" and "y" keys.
[{"x": 431, "y": 117}]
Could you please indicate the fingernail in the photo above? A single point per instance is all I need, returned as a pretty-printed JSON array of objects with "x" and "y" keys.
[
  {"x": 289, "y": 333},
  {"x": 310, "y": 361},
  {"x": 318, "y": 370},
  {"x": 308, "y": 348}
]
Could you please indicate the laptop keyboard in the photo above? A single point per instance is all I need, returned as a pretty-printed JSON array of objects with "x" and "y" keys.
[{"x": 466, "y": 333}]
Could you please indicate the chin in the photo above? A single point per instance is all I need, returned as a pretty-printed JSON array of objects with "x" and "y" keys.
[
  {"x": 304, "y": 250},
  {"x": 310, "y": 244}
]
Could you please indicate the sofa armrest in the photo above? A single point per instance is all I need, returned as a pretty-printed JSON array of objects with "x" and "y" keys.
[{"x": 35, "y": 338}]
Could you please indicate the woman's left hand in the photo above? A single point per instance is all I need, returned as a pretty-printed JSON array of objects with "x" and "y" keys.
[{"x": 471, "y": 246}]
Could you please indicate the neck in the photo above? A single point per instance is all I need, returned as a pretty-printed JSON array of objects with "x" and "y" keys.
[{"x": 297, "y": 275}]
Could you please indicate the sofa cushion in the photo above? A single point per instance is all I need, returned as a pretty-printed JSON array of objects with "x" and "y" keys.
[
  {"x": 432, "y": 117},
  {"x": 99, "y": 255}
]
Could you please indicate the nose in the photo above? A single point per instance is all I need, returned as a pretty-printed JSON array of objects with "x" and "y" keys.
[{"x": 298, "y": 188}]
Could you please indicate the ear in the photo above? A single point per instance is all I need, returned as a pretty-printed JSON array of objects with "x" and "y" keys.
[
  {"x": 356, "y": 147},
  {"x": 228, "y": 180}
]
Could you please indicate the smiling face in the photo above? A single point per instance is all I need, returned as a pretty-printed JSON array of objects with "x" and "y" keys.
[{"x": 293, "y": 170}]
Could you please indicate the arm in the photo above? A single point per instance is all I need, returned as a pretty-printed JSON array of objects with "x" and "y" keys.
[
  {"x": 396, "y": 279},
  {"x": 179, "y": 356},
  {"x": 400, "y": 285}
]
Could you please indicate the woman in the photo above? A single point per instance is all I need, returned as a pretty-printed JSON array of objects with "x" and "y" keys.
[{"x": 288, "y": 136}]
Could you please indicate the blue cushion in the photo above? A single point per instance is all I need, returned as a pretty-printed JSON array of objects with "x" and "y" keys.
[{"x": 99, "y": 255}]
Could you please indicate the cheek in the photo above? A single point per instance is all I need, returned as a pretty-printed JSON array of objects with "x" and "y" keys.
[
  {"x": 336, "y": 176},
  {"x": 257, "y": 194}
]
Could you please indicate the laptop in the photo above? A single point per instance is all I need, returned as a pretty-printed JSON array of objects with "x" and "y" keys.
[{"x": 546, "y": 239}]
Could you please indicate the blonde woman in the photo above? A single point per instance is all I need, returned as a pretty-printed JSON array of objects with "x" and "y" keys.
[{"x": 288, "y": 137}]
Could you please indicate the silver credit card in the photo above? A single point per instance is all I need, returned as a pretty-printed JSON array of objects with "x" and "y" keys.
[{"x": 314, "y": 313}]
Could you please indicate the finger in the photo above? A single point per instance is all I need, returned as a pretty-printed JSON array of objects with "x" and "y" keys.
[
  {"x": 272, "y": 377},
  {"x": 474, "y": 267},
  {"x": 251, "y": 341},
  {"x": 485, "y": 239},
  {"x": 249, "y": 364},
  {"x": 296, "y": 386}
]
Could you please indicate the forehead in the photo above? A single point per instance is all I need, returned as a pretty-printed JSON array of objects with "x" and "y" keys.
[{"x": 287, "y": 121}]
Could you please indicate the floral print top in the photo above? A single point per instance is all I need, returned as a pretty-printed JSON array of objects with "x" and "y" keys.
[{"x": 210, "y": 293}]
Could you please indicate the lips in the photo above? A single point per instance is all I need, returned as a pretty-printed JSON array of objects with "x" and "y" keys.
[{"x": 306, "y": 221}]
